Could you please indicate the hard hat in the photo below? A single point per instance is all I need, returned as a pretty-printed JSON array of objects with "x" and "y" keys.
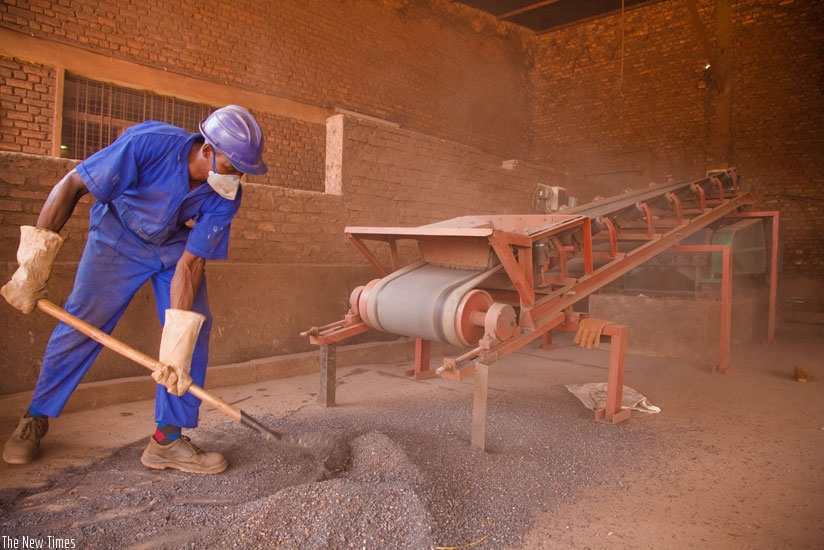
[{"x": 233, "y": 131}]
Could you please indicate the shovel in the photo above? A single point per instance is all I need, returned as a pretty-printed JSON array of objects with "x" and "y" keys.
[{"x": 332, "y": 452}]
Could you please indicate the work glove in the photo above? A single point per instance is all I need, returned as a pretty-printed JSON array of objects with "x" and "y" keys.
[
  {"x": 35, "y": 256},
  {"x": 176, "y": 348},
  {"x": 589, "y": 332}
]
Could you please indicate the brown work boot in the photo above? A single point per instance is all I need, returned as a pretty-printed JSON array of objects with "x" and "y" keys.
[
  {"x": 23, "y": 446},
  {"x": 182, "y": 455}
]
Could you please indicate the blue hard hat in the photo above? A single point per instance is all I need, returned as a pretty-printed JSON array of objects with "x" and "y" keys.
[{"x": 233, "y": 131}]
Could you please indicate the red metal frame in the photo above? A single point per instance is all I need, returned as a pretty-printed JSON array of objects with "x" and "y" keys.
[
  {"x": 720, "y": 185},
  {"x": 702, "y": 198},
  {"x": 513, "y": 250},
  {"x": 675, "y": 202},
  {"x": 548, "y": 305},
  {"x": 618, "y": 334},
  {"x": 423, "y": 351},
  {"x": 774, "y": 259},
  {"x": 726, "y": 296}
]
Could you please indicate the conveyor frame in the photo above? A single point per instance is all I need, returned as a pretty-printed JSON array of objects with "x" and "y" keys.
[{"x": 647, "y": 222}]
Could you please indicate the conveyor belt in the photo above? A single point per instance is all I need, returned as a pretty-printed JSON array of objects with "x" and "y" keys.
[
  {"x": 423, "y": 301},
  {"x": 529, "y": 256},
  {"x": 496, "y": 283}
]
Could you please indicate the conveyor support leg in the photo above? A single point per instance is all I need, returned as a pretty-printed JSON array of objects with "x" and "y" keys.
[
  {"x": 423, "y": 352},
  {"x": 326, "y": 395},
  {"x": 615, "y": 378},
  {"x": 479, "y": 406}
]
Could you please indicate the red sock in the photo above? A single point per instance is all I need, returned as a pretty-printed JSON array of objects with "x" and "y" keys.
[{"x": 166, "y": 434}]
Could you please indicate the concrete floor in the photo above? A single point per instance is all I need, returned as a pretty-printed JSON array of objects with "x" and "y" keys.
[{"x": 734, "y": 460}]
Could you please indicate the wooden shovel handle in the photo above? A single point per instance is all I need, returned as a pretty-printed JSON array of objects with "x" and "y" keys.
[
  {"x": 333, "y": 455},
  {"x": 130, "y": 353}
]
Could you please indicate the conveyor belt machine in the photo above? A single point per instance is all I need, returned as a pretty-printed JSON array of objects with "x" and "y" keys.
[{"x": 492, "y": 284}]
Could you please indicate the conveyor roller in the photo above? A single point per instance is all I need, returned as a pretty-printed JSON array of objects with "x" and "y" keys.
[{"x": 435, "y": 303}]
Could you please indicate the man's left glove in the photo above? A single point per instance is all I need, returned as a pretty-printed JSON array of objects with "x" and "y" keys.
[
  {"x": 35, "y": 256},
  {"x": 589, "y": 332},
  {"x": 177, "y": 345}
]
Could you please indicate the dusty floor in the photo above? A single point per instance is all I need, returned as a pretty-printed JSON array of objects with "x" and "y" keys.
[{"x": 732, "y": 461}]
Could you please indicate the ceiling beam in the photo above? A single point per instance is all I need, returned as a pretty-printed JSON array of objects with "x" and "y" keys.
[{"x": 527, "y": 8}]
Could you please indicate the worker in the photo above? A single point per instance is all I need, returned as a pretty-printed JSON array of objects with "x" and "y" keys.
[{"x": 164, "y": 204}]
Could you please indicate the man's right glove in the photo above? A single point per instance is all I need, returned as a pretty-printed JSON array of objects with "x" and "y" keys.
[
  {"x": 589, "y": 332},
  {"x": 35, "y": 256},
  {"x": 177, "y": 345}
]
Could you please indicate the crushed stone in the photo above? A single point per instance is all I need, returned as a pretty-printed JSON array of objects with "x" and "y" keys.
[{"x": 414, "y": 482}]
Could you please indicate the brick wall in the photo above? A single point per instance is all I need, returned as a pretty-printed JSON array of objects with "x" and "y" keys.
[
  {"x": 778, "y": 119},
  {"x": 420, "y": 64},
  {"x": 468, "y": 93},
  {"x": 290, "y": 265},
  {"x": 666, "y": 115},
  {"x": 618, "y": 106},
  {"x": 294, "y": 153},
  {"x": 27, "y": 97},
  {"x": 294, "y": 148},
  {"x": 390, "y": 177},
  {"x": 631, "y": 118},
  {"x": 25, "y": 182}
]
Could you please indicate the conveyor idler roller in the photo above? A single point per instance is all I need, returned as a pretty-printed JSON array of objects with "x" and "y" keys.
[{"x": 434, "y": 303}]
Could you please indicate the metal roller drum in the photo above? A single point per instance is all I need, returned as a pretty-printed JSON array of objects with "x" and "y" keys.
[{"x": 427, "y": 301}]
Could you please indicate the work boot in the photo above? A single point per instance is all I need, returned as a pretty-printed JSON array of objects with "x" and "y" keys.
[
  {"x": 23, "y": 446},
  {"x": 182, "y": 455}
]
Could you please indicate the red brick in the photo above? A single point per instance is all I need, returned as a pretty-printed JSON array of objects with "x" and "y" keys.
[{"x": 556, "y": 99}]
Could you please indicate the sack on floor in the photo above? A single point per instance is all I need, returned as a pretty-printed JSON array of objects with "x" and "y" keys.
[{"x": 594, "y": 396}]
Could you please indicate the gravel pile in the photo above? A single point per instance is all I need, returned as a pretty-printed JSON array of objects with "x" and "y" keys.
[
  {"x": 415, "y": 481},
  {"x": 374, "y": 506}
]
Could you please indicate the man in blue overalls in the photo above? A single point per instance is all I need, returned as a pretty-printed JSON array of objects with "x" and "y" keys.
[{"x": 165, "y": 200}]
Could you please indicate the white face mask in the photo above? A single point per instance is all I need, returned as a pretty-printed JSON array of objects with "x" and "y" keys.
[{"x": 224, "y": 185}]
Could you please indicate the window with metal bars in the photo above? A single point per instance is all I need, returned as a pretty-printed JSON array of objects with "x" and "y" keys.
[{"x": 96, "y": 113}]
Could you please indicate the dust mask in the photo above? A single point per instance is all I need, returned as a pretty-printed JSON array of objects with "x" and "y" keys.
[{"x": 224, "y": 185}]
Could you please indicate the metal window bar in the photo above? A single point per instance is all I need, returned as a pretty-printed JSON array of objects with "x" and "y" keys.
[{"x": 96, "y": 113}]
